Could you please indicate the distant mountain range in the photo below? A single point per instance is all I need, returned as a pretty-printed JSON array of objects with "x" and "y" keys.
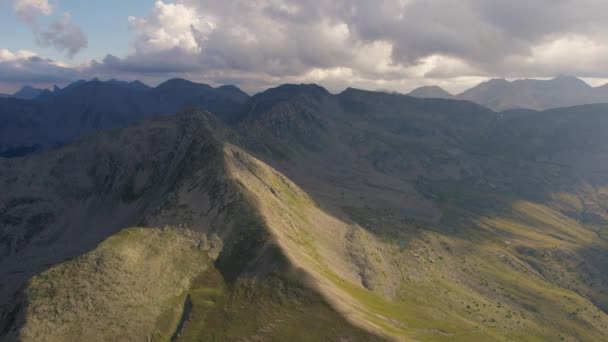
[
  {"x": 28, "y": 93},
  {"x": 53, "y": 118},
  {"x": 500, "y": 94},
  {"x": 432, "y": 92},
  {"x": 35, "y": 119}
]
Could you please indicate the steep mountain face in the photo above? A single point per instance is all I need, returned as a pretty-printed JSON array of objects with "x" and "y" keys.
[
  {"x": 223, "y": 101},
  {"x": 431, "y": 92},
  {"x": 59, "y": 205},
  {"x": 27, "y": 93},
  {"x": 562, "y": 91},
  {"x": 357, "y": 216},
  {"x": 84, "y": 107},
  {"x": 488, "y": 215},
  {"x": 145, "y": 268},
  {"x": 201, "y": 253},
  {"x": 263, "y": 102}
]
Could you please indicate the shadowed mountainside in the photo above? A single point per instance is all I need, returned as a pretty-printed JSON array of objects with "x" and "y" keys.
[
  {"x": 28, "y": 93},
  {"x": 506, "y": 198},
  {"x": 502, "y": 95},
  {"x": 411, "y": 219},
  {"x": 173, "y": 177},
  {"x": 85, "y": 107},
  {"x": 432, "y": 92}
]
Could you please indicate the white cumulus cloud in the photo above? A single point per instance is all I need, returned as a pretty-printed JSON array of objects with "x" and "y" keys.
[
  {"x": 26, "y": 67},
  {"x": 171, "y": 25},
  {"x": 9, "y": 56},
  {"x": 30, "y": 10}
]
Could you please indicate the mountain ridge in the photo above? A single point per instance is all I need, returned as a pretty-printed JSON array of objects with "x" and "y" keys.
[
  {"x": 227, "y": 221},
  {"x": 89, "y": 106},
  {"x": 431, "y": 92},
  {"x": 27, "y": 93},
  {"x": 409, "y": 222},
  {"x": 85, "y": 107},
  {"x": 501, "y": 94}
]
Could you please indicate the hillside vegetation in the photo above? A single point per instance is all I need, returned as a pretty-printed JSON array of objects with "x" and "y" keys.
[{"x": 357, "y": 216}]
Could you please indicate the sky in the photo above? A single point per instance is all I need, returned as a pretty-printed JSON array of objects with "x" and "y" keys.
[{"x": 392, "y": 45}]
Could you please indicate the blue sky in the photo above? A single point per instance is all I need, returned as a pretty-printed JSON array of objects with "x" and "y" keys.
[{"x": 103, "y": 22}]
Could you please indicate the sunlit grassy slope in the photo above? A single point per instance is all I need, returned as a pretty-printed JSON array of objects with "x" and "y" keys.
[
  {"x": 147, "y": 284},
  {"x": 520, "y": 271},
  {"x": 191, "y": 283},
  {"x": 115, "y": 291}
]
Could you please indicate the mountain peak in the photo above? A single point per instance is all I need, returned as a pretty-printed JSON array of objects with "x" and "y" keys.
[
  {"x": 353, "y": 91},
  {"x": 229, "y": 87},
  {"x": 497, "y": 81},
  {"x": 180, "y": 83},
  {"x": 431, "y": 92},
  {"x": 493, "y": 84},
  {"x": 28, "y": 93},
  {"x": 537, "y": 94},
  {"x": 287, "y": 91},
  {"x": 136, "y": 85},
  {"x": 266, "y": 100},
  {"x": 300, "y": 88},
  {"x": 569, "y": 81}
]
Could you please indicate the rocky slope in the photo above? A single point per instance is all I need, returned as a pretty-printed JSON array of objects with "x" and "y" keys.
[
  {"x": 214, "y": 247},
  {"x": 489, "y": 214},
  {"x": 59, "y": 205},
  {"x": 361, "y": 215}
]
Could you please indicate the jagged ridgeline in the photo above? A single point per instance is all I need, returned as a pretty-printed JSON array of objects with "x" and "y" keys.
[
  {"x": 316, "y": 217},
  {"x": 200, "y": 263}
]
